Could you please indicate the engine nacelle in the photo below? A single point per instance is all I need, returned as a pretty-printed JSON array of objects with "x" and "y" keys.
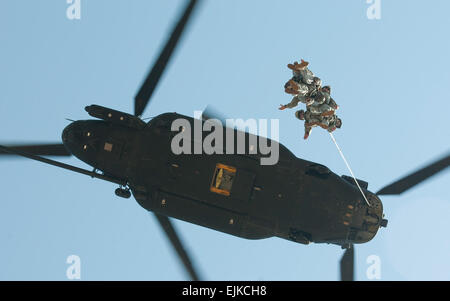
[{"x": 115, "y": 117}]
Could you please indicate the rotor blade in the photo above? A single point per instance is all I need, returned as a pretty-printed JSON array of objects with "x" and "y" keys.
[
  {"x": 416, "y": 177},
  {"x": 166, "y": 224},
  {"x": 347, "y": 264},
  {"x": 62, "y": 165},
  {"x": 41, "y": 149},
  {"x": 143, "y": 96}
]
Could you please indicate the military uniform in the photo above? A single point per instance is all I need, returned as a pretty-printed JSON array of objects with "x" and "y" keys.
[
  {"x": 303, "y": 85},
  {"x": 329, "y": 123},
  {"x": 333, "y": 122},
  {"x": 299, "y": 98},
  {"x": 323, "y": 104},
  {"x": 301, "y": 73},
  {"x": 297, "y": 88},
  {"x": 311, "y": 120},
  {"x": 320, "y": 107},
  {"x": 304, "y": 75}
]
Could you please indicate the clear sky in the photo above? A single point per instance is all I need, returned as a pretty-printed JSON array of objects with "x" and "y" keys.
[{"x": 389, "y": 76}]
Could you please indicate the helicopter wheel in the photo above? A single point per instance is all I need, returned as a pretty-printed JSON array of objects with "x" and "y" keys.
[{"x": 123, "y": 192}]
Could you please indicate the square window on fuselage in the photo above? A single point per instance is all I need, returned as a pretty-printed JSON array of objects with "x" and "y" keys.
[
  {"x": 222, "y": 180},
  {"x": 108, "y": 147}
]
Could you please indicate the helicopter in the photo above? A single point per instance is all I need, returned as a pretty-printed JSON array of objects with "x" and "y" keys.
[{"x": 229, "y": 193}]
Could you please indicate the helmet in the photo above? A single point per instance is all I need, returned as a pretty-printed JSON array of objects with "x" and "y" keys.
[
  {"x": 300, "y": 114},
  {"x": 317, "y": 81},
  {"x": 327, "y": 89}
]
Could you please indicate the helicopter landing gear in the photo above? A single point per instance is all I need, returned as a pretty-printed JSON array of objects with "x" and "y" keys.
[
  {"x": 346, "y": 246},
  {"x": 123, "y": 192}
]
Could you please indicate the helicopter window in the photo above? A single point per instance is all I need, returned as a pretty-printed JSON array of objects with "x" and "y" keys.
[
  {"x": 108, "y": 147},
  {"x": 222, "y": 180}
]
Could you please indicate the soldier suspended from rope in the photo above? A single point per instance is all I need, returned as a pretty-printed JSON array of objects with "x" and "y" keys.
[{"x": 320, "y": 106}]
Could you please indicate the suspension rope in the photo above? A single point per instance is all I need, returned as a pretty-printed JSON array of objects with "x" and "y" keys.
[{"x": 348, "y": 166}]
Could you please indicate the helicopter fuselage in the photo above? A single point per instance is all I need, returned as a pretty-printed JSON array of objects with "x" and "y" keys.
[{"x": 294, "y": 199}]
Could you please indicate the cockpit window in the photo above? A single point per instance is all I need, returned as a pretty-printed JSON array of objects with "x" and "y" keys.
[{"x": 222, "y": 180}]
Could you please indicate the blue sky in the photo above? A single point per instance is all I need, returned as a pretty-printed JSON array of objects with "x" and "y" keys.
[{"x": 389, "y": 76}]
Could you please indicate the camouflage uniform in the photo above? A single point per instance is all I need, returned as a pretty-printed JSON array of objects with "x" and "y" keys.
[
  {"x": 333, "y": 123},
  {"x": 311, "y": 120},
  {"x": 329, "y": 123},
  {"x": 299, "y": 98},
  {"x": 323, "y": 104},
  {"x": 304, "y": 75},
  {"x": 303, "y": 85},
  {"x": 320, "y": 107}
]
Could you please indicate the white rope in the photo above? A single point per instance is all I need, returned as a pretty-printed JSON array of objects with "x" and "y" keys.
[{"x": 348, "y": 166}]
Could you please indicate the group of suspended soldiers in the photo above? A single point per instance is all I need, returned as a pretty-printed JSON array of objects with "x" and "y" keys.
[{"x": 307, "y": 89}]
